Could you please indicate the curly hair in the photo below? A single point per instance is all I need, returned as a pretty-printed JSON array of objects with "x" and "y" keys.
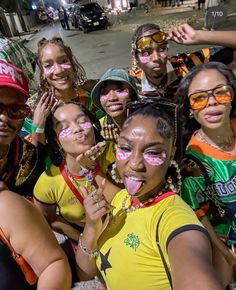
[
  {"x": 55, "y": 153},
  {"x": 77, "y": 67},
  {"x": 190, "y": 125}
]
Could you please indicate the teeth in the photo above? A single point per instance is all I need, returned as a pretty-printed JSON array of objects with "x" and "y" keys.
[{"x": 134, "y": 178}]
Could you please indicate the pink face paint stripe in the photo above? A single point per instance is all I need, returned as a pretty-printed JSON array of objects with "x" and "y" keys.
[
  {"x": 155, "y": 160},
  {"x": 144, "y": 59},
  {"x": 86, "y": 125},
  {"x": 66, "y": 132},
  {"x": 66, "y": 65},
  {"x": 48, "y": 70},
  {"x": 103, "y": 98},
  {"x": 121, "y": 154}
]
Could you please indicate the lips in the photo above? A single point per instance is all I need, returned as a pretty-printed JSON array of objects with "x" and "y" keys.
[
  {"x": 213, "y": 116},
  {"x": 115, "y": 107},
  {"x": 61, "y": 81},
  {"x": 133, "y": 184},
  {"x": 80, "y": 137}
]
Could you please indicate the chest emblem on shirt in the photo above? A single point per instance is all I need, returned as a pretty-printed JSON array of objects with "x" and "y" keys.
[
  {"x": 132, "y": 241},
  {"x": 72, "y": 200},
  {"x": 104, "y": 261}
]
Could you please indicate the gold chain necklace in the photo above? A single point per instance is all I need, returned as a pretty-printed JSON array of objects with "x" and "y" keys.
[{"x": 202, "y": 136}]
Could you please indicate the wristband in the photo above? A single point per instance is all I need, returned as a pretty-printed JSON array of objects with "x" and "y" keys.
[
  {"x": 90, "y": 253},
  {"x": 36, "y": 129}
]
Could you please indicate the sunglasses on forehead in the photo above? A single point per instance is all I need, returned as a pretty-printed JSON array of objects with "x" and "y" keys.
[
  {"x": 158, "y": 103},
  {"x": 15, "y": 111},
  {"x": 158, "y": 37},
  {"x": 223, "y": 94}
]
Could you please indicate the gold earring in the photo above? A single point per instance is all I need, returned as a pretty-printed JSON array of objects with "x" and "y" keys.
[{"x": 190, "y": 115}]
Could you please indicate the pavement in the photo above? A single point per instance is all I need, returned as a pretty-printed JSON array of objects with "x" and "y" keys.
[{"x": 166, "y": 17}]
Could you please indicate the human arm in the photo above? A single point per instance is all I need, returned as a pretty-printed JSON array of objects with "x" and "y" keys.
[
  {"x": 56, "y": 222},
  {"x": 190, "y": 261},
  {"x": 97, "y": 218},
  {"x": 30, "y": 236},
  {"x": 185, "y": 34}
]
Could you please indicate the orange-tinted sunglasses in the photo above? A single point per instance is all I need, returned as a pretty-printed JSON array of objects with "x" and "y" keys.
[
  {"x": 223, "y": 94},
  {"x": 157, "y": 37}
]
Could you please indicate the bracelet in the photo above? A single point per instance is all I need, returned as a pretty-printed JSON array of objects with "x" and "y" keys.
[
  {"x": 36, "y": 129},
  {"x": 90, "y": 253}
]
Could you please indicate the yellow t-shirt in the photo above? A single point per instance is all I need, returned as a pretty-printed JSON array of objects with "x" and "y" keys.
[
  {"x": 52, "y": 189},
  {"x": 129, "y": 258}
]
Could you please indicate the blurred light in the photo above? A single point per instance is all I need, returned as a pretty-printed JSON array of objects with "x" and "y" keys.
[
  {"x": 34, "y": 7},
  {"x": 63, "y": 2}
]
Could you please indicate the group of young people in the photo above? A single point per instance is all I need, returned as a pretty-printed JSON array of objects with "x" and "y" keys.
[{"x": 113, "y": 186}]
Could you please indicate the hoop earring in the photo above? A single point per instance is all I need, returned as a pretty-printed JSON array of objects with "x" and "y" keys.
[
  {"x": 169, "y": 179},
  {"x": 114, "y": 174}
]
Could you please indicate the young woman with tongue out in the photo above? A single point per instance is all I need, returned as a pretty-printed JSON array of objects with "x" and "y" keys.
[
  {"x": 153, "y": 238},
  {"x": 209, "y": 186}
]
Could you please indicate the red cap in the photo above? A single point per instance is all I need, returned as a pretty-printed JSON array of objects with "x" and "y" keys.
[{"x": 11, "y": 76}]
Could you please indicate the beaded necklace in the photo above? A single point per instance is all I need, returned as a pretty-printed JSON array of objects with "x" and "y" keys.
[
  {"x": 139, "y": 205},
  {"x": 202, "y": 137}
]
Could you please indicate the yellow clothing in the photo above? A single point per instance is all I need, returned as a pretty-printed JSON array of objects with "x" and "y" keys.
[
  {"x": 52, "y": 189},
  {"x": 129, "y": 258}
]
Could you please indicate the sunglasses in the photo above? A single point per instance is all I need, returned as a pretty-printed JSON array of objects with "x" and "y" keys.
[
  {"x": 157, "y": 102},
  {"x": 145, "y": 41},
  {"x": 223, "y": 94},
  {"x": 15, "y": 111}
]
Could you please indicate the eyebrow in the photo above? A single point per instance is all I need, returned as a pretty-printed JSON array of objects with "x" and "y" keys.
[{"x": 147, "y": 145}]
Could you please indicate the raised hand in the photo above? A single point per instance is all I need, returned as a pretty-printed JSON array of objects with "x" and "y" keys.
[
  {"x": 184, "y": 34},
  {"x": 87, "y": 159}
]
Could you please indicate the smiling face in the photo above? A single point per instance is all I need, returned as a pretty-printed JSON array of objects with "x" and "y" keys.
[
  {"x": 74, "y": 130},
  {"x": 143, "y": 157},
  {"x": 114, "y": 97},
  {"x": 214, "y": 115},
  {"x": 57, "y": 68},
  {"x": 152, "y": 60},
  {"x": 9, "y": 128}
]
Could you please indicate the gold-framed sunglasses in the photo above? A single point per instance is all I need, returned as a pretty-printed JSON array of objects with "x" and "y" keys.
[
  {"x": 158, "y": 37},
  {"x": 223, "y": 94}
]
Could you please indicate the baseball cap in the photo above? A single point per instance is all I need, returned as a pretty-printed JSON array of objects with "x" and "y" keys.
[
  {"x": 112, "y": 74},
  {"x": 13, "y": 77}
]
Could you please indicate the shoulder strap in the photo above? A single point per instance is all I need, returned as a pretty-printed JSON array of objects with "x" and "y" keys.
[
  {"x": 5, "y": 240},
  {"x": 162, "y": 255}
]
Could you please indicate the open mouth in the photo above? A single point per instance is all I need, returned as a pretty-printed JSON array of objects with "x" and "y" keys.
[
  {"x": 115, "y": 107},
  {"x": 133, "y": 184},
  {"x": 62, "y": 80}
]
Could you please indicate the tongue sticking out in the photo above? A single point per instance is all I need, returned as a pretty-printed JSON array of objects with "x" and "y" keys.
[{"x": 133, "y": 186}]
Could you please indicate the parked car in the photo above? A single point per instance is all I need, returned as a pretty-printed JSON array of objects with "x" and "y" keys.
[{"x": 88, "y": 17}]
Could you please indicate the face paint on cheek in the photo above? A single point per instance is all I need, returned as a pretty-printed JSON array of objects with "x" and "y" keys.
[
  {"x": 48, "y": 70},
  {"x": 86, "y": 125},
  {"x": 66, "y": 132},
  {"x": 122, "y": 93},
  {"x": 155, "y": 160},
  {"x": 103, "y": 98},
  {"x": 66, "y": 65},
  {"x": 144, "y": 59},
  {"x": 121, "y": 154}
]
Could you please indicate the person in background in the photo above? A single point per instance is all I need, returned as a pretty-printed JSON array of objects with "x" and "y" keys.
[
  {"x": 206, "y": 97},
  {"x": 61, "y": 17},
  {"x": 158, "y": 74},
  {"x": 152, "y": 230},
  {"x": 209, "y": 20},
  {"x": 66, "y": 18},
  {"x": 24, "y": 232},
  {"x": 20, "y": 165}
]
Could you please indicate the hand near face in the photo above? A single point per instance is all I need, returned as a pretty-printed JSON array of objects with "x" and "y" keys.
[
  {"x": 87, "y": 159},
  {"x": 97, "y": 209},
  {"x": 43, "y": 109},
  {"x": 183, "y": 34}
]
